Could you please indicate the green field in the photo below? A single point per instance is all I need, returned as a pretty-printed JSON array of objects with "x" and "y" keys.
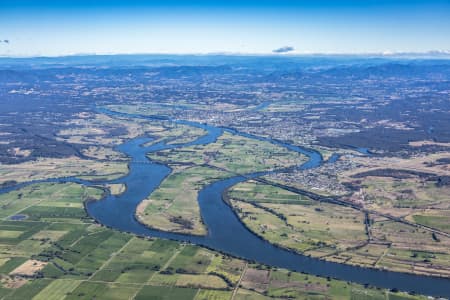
[
  {"x": 338, "y": 233},
  {"x": 296, "y": 222},
  {"x": 173, "y": 205},
  {"x": 233, "y": 153},
  {"x": 57, "y": 289},
  {"x": 263, "y": 193},
  {"x": 48, "y": 200},
  {"x": 440, "y": 220}
]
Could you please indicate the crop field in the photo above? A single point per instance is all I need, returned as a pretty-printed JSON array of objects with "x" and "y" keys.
[
  {"x": 413, "y": 199},
  {"x": 108, "y": 131},
  {"x": 412, "y": 249},
  {"x": 400, "y": 187},
  {"x": 63, "y": 256},
  {"x": 387, "y": 192},
  {"x": 263, "y": 193},
  {"x": 57, "y": 289},
  {"x": 338, "y": 233},
  {"x": 319, "y": 228},
  {"x": 306, "y": 226},
  {"x": 235, "y": 154},
  {"x": 180, "y": 134},
  {"x": 439, "y": 219},
  {"x": 45, "y": 168},
  {"x": 259, "y": 282},
  {"x": 173, "y": 205},
  {"x": 38, "y": 201}
]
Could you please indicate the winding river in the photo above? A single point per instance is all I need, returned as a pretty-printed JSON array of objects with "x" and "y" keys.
[{"x": 225, "y": 231}]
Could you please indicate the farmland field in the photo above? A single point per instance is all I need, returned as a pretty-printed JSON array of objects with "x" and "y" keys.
[{"x": 74, "y": 258}]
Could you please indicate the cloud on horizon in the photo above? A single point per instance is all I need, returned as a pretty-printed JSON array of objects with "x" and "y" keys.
[
  {"x": 4, "y": 41},
  {"x": 284, "y": 49}
]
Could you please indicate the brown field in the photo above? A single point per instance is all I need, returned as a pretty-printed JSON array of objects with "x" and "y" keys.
[
  {"x": 28, "y": 268},
  {"x": 256, "y": 279},
  {"x": 423, "y": 163},
  {"x": 116, "y": 189},
  {"x": 95, "y": 129},
  {"x": 44, "y": 168},
  {"x": 415, "y": 196},
  {"x": 426, "y": 143},
  {"x": 13, "y": 282}
]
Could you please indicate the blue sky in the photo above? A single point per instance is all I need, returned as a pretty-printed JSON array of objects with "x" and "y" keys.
[{"x": 39, "y": 27}]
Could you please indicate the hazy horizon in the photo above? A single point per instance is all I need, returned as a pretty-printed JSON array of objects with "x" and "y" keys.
[{"x": 429, "y": 53}]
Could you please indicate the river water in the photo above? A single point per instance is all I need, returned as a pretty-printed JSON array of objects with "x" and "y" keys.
[{"x": 225, "y": 231}]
